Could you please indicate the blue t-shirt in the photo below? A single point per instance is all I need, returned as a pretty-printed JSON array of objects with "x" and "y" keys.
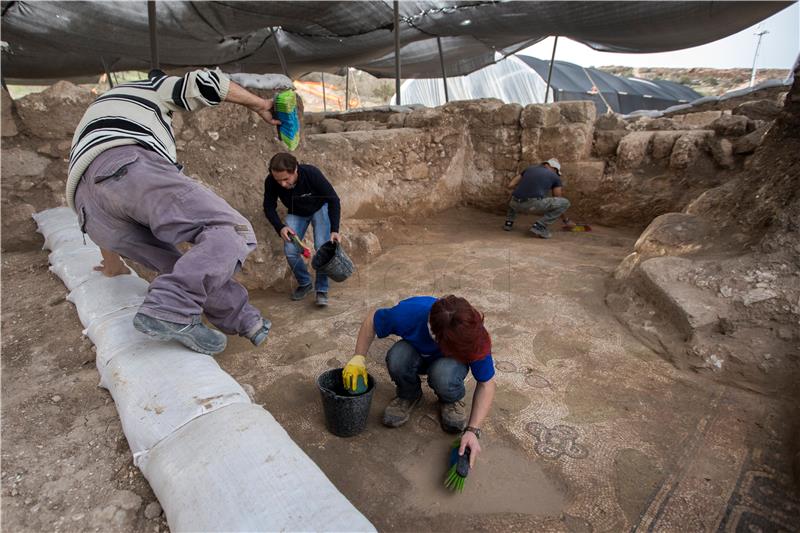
[
  {"x": 409, "y": 320},
  {"x": 537, "y": 182}
]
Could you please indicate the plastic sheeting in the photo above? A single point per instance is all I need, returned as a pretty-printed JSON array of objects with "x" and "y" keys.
[
  {"x": 215, "y": 461},
  {"x": 523, "y": 80},
  {"x": 52, "y": 40},
  {"x": 510, "y": 80}
]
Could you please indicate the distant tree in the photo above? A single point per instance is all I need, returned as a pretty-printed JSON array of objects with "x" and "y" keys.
[{"x": 383, "y": 91}]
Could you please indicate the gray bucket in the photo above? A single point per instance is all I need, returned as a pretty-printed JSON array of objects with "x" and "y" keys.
[
  {"x": 345, "y": 414},
  {"x": 330, "y": 259}
]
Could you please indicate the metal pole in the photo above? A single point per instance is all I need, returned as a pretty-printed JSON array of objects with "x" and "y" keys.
[
  {"x": 444, "y": 74},
  {"x": 151, "y": 20},
  {"x": 397, "y": 51},
  {"x": 280, "y": 52},
  {"x": 550, "y": 70},
  {"x": 347, "y": 88},
  {"x": 755, "y": 56},
  {"x": 324, "y": 103},
  {"x": 108, "y": 74}
]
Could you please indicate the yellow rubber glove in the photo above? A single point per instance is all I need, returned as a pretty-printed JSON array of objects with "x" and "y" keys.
[{"x": 354, "y": 375}]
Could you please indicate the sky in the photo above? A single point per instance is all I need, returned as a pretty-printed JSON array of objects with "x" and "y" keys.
[{"x": 779, "y": 49}]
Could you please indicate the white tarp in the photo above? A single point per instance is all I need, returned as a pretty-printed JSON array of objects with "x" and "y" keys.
[{"x": 215, "y": 461}]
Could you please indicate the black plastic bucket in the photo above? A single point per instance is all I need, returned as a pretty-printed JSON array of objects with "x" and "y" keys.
[
  {"x": 330, "y": 259},
  {"x": 345, "y": 414}
]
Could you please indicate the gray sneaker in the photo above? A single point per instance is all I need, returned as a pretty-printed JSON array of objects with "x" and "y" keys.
[
  {"x": 260, "y": 335},
  {"x": 194, "y": 336},
  {"x": 454, "y": 417},
  {"x": 301, "y": 292},
  {"x": 322, "y": 299},
  {"x": 508, "y": 225},
  {"x": 398, "y": 411},
  {"x": 540, "y": 230}
]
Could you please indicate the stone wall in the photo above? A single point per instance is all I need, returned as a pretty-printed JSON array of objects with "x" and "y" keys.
[{"x": 406, "y": 162}]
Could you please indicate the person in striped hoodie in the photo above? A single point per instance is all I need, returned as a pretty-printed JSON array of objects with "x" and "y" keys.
[{"x": 134, "y": 201}]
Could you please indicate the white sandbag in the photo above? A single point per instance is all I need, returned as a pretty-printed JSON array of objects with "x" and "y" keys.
[
  {"x": 160, "y": 386},
  {"x": 215, "y": 460},
  {"x": 236, "y": 469},
  {"x": 102, "y": 296},
  {"x": 66, "y": 236},
  {"x": 75, "y": 265},
  {"x": 114, "y": 334},
  {"x": 53, "y": 219}
]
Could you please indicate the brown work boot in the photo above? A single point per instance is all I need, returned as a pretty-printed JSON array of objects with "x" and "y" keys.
[
  {"x": 454, "y": 417},
  {"x": 398, "y": 411}
]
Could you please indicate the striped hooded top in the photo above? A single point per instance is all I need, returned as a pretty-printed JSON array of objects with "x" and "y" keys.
[{"x": 140, "y": 113}]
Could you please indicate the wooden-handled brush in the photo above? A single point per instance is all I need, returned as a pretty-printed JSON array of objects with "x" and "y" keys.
[{"x": 299, "y": 244}]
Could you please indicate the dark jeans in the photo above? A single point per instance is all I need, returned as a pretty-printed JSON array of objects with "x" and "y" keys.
[{"x": 445, "y": 376}]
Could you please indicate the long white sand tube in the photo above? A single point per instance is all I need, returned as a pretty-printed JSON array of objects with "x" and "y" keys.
[{"x": 215, "y": 461}]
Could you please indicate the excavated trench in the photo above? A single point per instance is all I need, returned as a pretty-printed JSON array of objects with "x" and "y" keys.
[{"x": 592, "y": 428}]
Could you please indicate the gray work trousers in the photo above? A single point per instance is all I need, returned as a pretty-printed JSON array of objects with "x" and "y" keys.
[
  {"x": 136, "y": 203},
  {"x": 550, "y": 208}
]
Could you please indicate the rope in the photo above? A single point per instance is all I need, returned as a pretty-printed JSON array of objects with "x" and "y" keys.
[{"x": 608, "y": 107}]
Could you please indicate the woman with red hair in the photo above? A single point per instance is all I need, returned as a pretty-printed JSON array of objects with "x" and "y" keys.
[{"x": 443, "y": 338}]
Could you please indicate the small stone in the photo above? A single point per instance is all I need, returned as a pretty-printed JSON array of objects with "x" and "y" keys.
[
  {"x": 77, "y": 517},
  {"x": 250, "y": 390},
  {"x": 56, "y": 398},
  {"x": 214, "y": 135},
  {"x": 14, "y": 492},
  {"x": 153, "y": 510}
]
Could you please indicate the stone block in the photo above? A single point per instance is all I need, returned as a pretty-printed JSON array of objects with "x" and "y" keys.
[
  {"x": 759, "y": 110},
  {"x": 747, "y": 144},
  {"x": 332, "y": 125},
  {"x": 540, "y": 116},
  {"x": 662, "y": 280},
  {"x": 22, "y": 162},
  {"x": 567, "y": 142},
  {"x": 606, "y": 142},
  {"x": 672, "y": 234},
  {"x": 359, "y": 125},
  {"x": 581, "y": 111},
  {"x": 633, "y": 149},
  {"x": 688, "y": 149},
  {"x": 699, "y": 120},
  {"x": 396, "y": 120},
  {"x": 663, "y": 141},
  {"x": 425, "y": 118},
  {"x": 18, "y": 228},
  {"x": 730, "y": 125},
  {"x": 582, "y": 176},
  {"x": 722, "y": 152},
  {"x": 509, "y": 114},
  {"x": 610, "y": 121},
  {"x": 55, "y": 112}
]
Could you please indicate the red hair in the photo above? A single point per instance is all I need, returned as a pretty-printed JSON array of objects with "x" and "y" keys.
[{"x": 458, "y": 329}]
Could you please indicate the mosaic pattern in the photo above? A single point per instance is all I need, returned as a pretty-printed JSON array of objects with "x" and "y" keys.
[{"x": 557, "y": 441}]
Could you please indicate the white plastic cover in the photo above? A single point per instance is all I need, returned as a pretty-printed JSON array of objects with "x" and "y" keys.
[
  {"x": 510, "y": 80},
  {"x": 216, "y": 461},
  {"x": 277, "y": 487}
]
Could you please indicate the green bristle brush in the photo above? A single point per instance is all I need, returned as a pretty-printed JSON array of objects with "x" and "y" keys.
[{"x": 459, "y": 468}]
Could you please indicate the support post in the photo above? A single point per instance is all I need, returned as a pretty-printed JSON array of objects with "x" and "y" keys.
[
  {"x": 108, "y": 73},
  {"x": 151, "y": 20},
  {"x": 444, "y": 74},
  {"x": 346, "y": 88},
  {"x": 550, "y": 70},
  {"x": 397, "y": 51},
  {"x": 324, "y": 99},
  {"x": 279, "y": 52}
]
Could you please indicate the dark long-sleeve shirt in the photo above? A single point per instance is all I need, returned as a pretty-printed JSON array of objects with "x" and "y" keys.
[{"x": 308, "y": 195}]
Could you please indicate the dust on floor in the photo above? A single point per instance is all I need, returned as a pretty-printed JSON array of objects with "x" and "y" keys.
[{"x": 590, "y": 431}]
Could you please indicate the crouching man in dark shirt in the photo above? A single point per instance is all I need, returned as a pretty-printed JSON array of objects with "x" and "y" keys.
[
  {"x": 310, "y": 199},
  {"x": 538, "y": 190}
]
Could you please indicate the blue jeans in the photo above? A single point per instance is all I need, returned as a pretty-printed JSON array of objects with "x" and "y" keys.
[
  {"x": 322, "y": 234},
  {"x": 445, "y": 376}
]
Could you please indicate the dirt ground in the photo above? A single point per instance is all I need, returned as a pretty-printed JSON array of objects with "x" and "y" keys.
[{"x": 590, "y": 430}]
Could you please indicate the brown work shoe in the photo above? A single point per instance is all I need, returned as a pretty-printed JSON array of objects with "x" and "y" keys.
[
  {"x": 454, "y": 416},
  {"x": 398, "y": 411}
]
